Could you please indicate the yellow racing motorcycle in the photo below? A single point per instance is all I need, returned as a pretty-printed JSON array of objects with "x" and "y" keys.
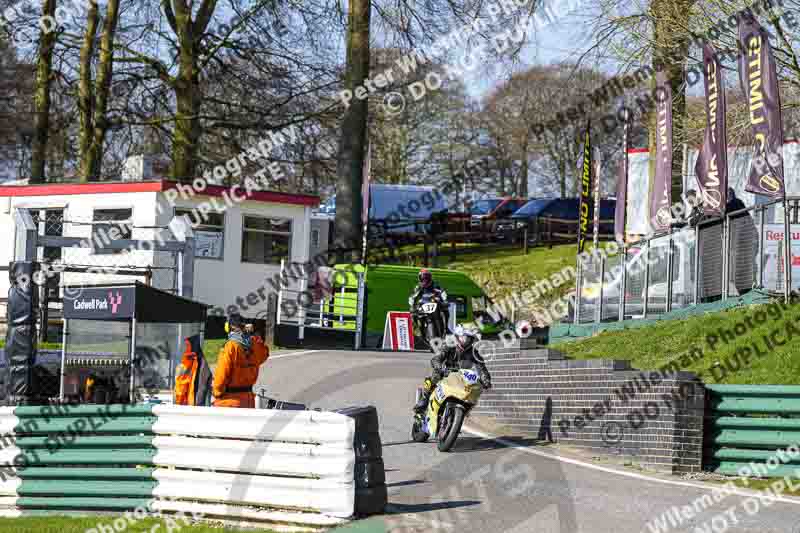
[{"x": 450, "y": 402}]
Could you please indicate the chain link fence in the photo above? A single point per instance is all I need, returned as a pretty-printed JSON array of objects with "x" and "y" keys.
[{"x": 715, "y": 260}]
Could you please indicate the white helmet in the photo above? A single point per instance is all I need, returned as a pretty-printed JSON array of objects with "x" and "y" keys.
[{"x": 464, "y": 334}]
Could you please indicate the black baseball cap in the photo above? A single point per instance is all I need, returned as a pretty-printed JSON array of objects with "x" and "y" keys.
[{"x": 235, "y": 320}]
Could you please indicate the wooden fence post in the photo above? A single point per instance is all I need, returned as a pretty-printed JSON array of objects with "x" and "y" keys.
[{"x": 525, "y": 239}]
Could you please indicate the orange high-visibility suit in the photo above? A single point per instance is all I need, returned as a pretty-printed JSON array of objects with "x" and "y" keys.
[
  {"x": 237, "y": 372},
  {"x": 192, "y": 376}
]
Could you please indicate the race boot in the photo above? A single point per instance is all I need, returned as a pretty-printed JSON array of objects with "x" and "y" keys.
[{"x": 422, "y": 405}]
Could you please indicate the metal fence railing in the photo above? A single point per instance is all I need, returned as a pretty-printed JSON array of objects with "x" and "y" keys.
[
  {"x": 321, "y": 299},
  {"x": 714, "y": 260}
]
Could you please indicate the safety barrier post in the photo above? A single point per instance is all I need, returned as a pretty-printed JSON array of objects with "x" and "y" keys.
[
  {"x": 696, "y": 265},
  {"x": 64, "y": 335},
  {"x": 623, "y": 281},
  {"x": 646, "y": 280},
  {"x": 301, "y": 311},
  {"x": 598, "y": 314},
  {"x": 132, "y": 346},
  {"x": 726, "y": 262},
  {"x": 359, "y": 310},
  {"x": 787, "y": 256},
  {"x": 280, "y": 296},
  {"x": 670, "y": 266}
]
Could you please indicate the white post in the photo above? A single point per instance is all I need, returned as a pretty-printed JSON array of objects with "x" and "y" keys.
[
  {"x": 133, "y": 358},
  {"x": 301, "y": 334},
  {"x": 64, "y": 326},
  {"x": 280, "y": 296}
]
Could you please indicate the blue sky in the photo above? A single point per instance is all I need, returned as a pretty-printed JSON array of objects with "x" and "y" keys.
[{"x": 563, "y": 39}]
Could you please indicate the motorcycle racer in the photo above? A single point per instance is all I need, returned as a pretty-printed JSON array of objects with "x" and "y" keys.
[
  {"x": 427, "y": 285},
  {"x": 458, "y": 352}
]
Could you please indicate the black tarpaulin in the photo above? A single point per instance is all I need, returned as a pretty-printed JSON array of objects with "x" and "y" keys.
[{"x": 20, "y": 349}]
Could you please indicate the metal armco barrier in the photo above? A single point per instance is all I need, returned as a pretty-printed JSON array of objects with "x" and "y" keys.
[
  {"x": 750, "y": 424},
  {"x": 308, "y": 468}
]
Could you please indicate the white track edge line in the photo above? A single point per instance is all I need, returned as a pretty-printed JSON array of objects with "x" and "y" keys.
[
  {"x": 280, "y": 355},
  {"x": 576, "y": 462}
]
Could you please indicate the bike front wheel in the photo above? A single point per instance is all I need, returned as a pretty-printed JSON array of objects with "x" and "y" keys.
[{"x": 451, "y": 426}]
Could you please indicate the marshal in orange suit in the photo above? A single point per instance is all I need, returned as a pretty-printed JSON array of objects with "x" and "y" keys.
[{"x": 237, "y": 366}]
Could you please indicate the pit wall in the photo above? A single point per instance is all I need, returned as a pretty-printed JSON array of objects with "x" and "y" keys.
[{"x": 600, "y": 405}]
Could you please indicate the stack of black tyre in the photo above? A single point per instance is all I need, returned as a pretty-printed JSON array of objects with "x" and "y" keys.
[{"x": 370, "y": 476}]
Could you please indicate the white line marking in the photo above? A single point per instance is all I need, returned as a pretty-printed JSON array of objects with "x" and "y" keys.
[
  {"x": 738, "y": 492},
  {"x": 280, "y": 355}
]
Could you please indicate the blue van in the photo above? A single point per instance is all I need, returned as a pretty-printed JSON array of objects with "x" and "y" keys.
[{"x": 556, "y": 219}]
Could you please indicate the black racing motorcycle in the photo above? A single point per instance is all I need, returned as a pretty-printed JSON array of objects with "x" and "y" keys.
[{"x": 430, "y": 315}]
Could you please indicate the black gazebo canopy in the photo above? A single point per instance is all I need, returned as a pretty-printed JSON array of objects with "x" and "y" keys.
[{"x": 127, "y": 301}]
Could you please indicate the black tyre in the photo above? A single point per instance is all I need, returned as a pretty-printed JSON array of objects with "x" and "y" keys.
[
  {"x": 452, "y": 428},
  {"x": 417, "y": 435}
]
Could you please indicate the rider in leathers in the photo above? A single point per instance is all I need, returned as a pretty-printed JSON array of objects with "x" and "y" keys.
[
  {"x": 426, "y": 285},
  {"x": 458, "y": 352}
]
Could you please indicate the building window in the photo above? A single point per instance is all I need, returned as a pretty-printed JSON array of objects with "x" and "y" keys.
[
  {"x": 50, "y": 223},
  {"x": 266, "y": 240},
  {"x": 209, "y": 233},
  {"x": 315, "y": 238},
  {"x": 111, "y": 225}
]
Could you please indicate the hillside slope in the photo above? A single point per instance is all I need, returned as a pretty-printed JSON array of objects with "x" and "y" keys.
[{"x": 759, "y": 345}]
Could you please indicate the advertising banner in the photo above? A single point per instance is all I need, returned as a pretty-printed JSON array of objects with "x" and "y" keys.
[
  {"x": 774, "y": 251},
  {"x": 760, "y": 83},
  {"x": 398, "y": 332},
  {"x": 712, "y": 162},
  {"x": 587, "y": 191},
  {"x": 102, "y": 303},
  {"x": 622, "y": 190},
  {"x": 661, "y": 191}
]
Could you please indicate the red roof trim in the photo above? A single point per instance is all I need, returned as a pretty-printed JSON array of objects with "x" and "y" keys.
[
  {"x": 55, "y": 189},
  {"x": 65, "y": 189},
  {"x": 257, "y": 196},
  {"x": 638, "y": 150}
]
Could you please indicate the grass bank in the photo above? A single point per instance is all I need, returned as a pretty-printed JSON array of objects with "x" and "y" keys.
[
  {"x": 502, "y": 272},
  {"x": 61, "y": 524},
  {"x": 764, "y": 350}
]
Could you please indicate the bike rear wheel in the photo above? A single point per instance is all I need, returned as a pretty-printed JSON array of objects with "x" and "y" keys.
[{"x": 452, "y": 427}]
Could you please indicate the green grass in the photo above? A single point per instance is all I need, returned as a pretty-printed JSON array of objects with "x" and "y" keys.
[
  {"x": 651, "y": 347},
  {"x": 60, "y": 524},
  {"x": 503, "y": 273}
]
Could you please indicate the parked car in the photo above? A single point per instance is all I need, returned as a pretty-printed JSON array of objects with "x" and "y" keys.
[
  {"x": 394, "y": 209},
  {"x": 487, "y": 214},
  {"x": 556, "y": 219}
]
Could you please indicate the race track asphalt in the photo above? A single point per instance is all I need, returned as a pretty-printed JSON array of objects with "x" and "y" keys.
[{"x": 506, "y": 485}]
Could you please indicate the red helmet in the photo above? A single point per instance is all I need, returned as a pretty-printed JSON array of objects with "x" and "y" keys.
[{"x": 425, "y": 278}]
